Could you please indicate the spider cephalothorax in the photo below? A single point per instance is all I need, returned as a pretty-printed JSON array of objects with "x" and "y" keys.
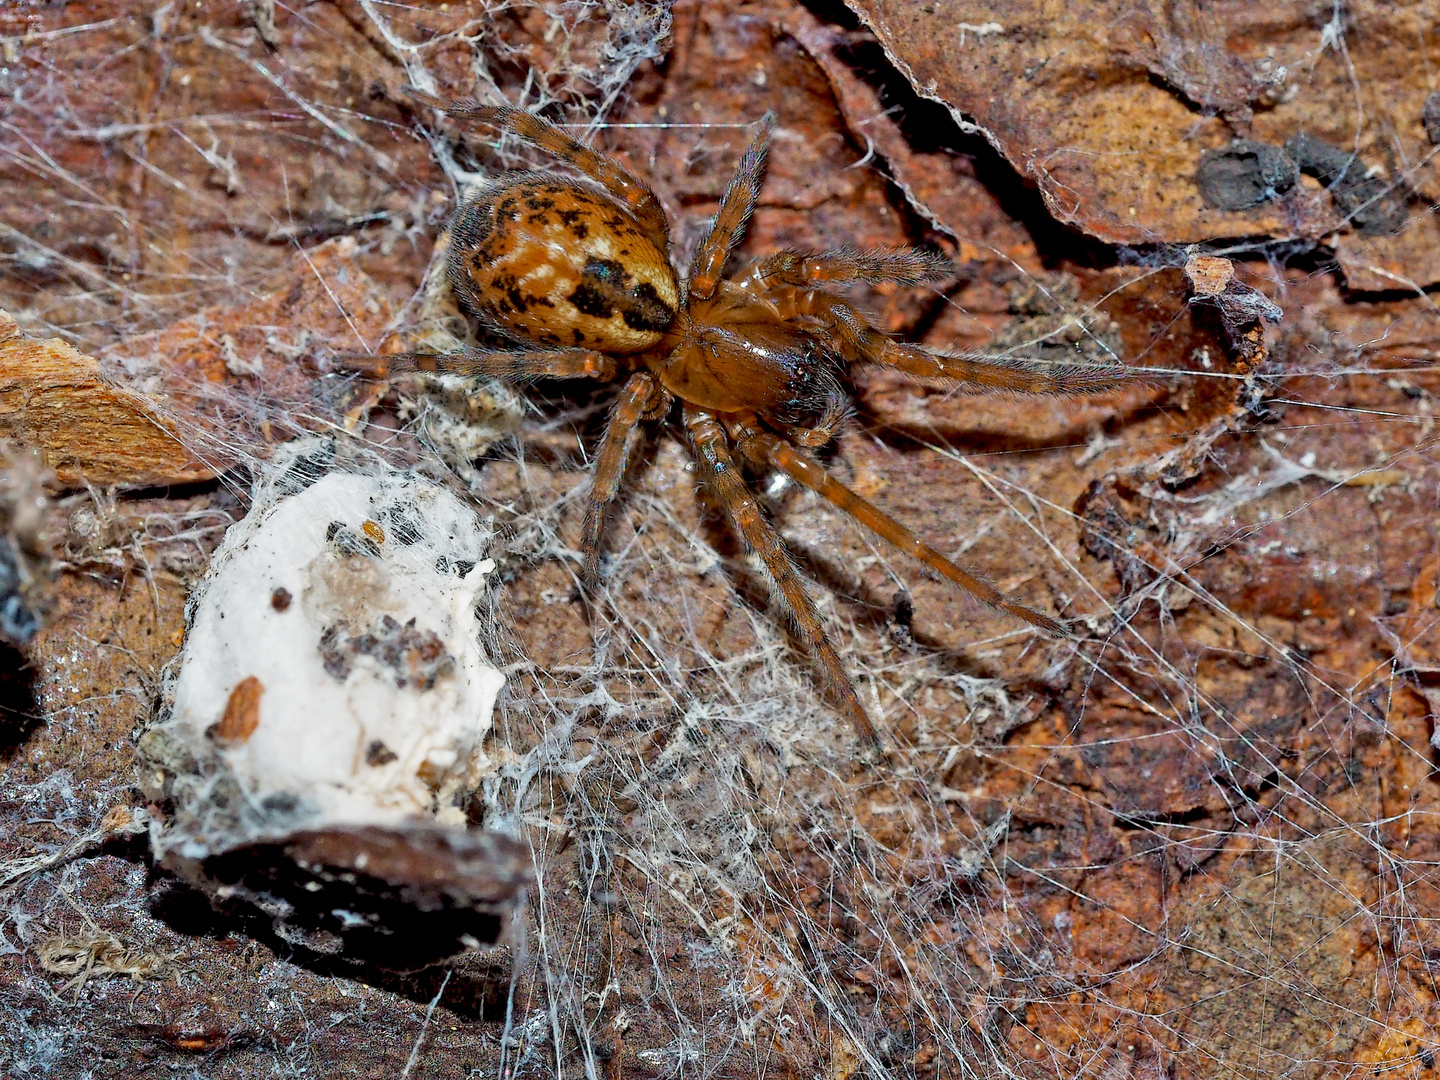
[{"x": 577, "y": 274}]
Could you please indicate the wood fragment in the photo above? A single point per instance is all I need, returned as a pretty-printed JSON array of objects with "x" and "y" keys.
[
  {"x": 87, "y": 429},
  {"x": 242, "y": 712}
]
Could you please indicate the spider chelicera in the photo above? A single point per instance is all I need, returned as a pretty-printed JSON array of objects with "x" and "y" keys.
[{"x": 577, "y": 275}]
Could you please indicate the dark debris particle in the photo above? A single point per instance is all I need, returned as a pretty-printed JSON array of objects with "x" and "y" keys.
[
  {"x": 332, "y": 652},
  {"x": 1111, "y": 530},
  {"x": 900, "y": 623},
  {"x": 895, "y": 1047},
  {"x": 413, "y": 658},
  {"x": 1241, "y": 307},
  {"x": 1328, "y": 164},
  {"x": 280, "y": 599},
  {"x": 403, "y": 526},
  {"x": 280, "y": 802},
  {"x": 346, "y": 541},
  {"x": 903, "y": 610},
  {"x": 1248, "y": 173},
  {"x": 306, "y": 469},
  {"x": 1375, "y": 205},
  {"x": 377, "y": 753},
  {"x": 1245, "y": 174}
]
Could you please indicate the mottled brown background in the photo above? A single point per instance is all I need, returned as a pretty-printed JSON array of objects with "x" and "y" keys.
[{"x": 1200, "y": 840}]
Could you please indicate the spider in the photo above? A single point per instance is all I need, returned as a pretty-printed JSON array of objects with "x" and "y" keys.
[{"x": 576, "y": 275}]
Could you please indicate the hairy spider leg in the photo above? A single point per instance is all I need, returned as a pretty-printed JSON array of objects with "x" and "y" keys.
[
  {"x": 505, "y": 364},
  {"x": 736, "y": 207},
  {"x": 845, "y": 266},
  {"x": 636, "y": 400},
  {"x": 719, "y": 472},
  {"x": 1006, "y": 374},
  {"x": 846, "y": 330},
  {"x": 765, "y": 449},
  {"x": 538, "y": 131},
  {"x": 822, "y": 433},
  {"x": 859, "y": 342}
]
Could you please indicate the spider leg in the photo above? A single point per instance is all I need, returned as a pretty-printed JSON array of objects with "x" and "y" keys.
[
  {"x": 848, "y": 330},
  {"x": 859, "y": 342},
  {"x": 845, "y": 266},
  {"x": 1009, "y": 374},
  {"x": 541, "y": 133},
  {"x": 720, "y": 474},
  {"x": 637, "y": 399},
  {"x": 732, "y": 217},
  {"x": 763, "y": 449},
  {"x": 504, "y": 364}
]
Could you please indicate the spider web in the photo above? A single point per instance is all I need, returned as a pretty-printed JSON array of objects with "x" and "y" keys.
[{"x": 1196, "y": 840}]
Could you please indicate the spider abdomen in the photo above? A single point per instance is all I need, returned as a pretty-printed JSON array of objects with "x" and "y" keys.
[{"x": 559, "y": 263}]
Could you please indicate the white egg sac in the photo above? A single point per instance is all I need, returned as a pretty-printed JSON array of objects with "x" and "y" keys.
[{"x": 334, "y": 680}]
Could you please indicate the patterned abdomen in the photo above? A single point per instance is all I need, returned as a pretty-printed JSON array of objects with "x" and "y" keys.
[{"x": 561, "y": 264}]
